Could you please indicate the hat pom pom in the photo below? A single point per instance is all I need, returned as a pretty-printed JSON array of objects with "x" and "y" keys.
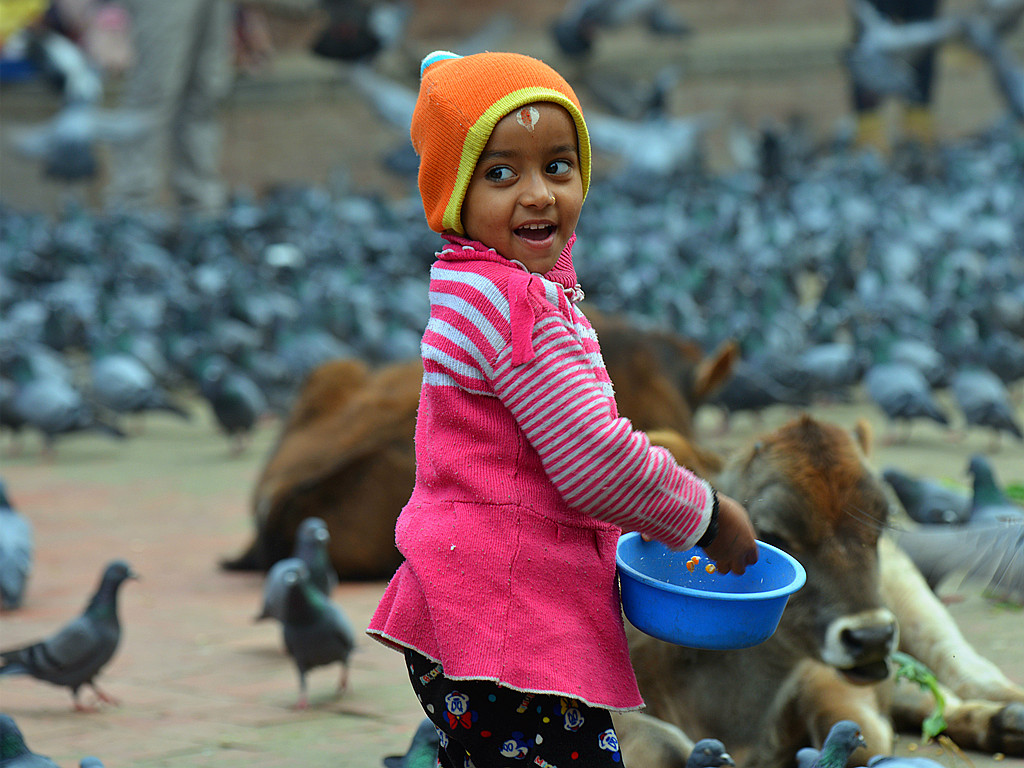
[{"x": 436, "y": 56}]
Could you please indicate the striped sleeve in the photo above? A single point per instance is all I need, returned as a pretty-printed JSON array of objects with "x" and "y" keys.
[{"x": 598, "y": 463}]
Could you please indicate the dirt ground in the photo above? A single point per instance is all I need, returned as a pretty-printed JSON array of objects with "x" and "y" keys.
[{"x": 201, "y": 685}]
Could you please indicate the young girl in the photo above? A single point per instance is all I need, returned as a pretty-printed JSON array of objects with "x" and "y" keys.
[{"x": 507, "y": 604}]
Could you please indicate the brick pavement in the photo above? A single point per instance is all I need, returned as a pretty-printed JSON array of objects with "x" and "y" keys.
[{"x": 201, "y": 685}]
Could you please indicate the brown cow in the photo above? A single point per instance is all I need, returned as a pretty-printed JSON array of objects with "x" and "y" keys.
[
  {"x": 346, "y": 451},
  {"x": 810, "y": 491}
]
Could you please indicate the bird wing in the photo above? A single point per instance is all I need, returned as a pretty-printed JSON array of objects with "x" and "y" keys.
[{"x": 73, "y": 647}]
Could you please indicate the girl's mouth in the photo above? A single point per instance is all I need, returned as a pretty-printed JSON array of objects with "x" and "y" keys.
[{"x": 535, "y": 232}]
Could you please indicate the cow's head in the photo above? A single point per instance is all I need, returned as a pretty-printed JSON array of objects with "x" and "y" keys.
[{"x": 809, "y": 491}]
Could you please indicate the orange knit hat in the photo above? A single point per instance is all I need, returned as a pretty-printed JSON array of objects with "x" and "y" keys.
[{"x": 460, "y": 101}]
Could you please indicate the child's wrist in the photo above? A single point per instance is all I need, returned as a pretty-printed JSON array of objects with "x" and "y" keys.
[{"x": 712, "y": 530}]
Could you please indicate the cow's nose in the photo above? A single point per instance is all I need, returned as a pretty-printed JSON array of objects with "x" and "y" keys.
[{"x": 868, "y": 641}]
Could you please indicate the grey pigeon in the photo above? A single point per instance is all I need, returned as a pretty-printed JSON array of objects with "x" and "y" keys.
[
  {"x": 236, "y": 400},
  {"x": 275, "y": 588},
  {"x": 893, "y": 761},
  {"x": 927, "y": 501},
  {"x": 311, "y": 549},
  {"x": 709, "y": 753},
  {"x": 576, "y": 28},
  {"x": 984, "y": 402},
  {"x": 316, "y": 630},
  {"x": 989, "y": 502},
  {"x": 90, "y": 762},
  {"x": 16, "y": 552},
  {"x": 422, "y": 752},
  {"x": 66, "y": 143},
  {"x": 884, "y": 45},
  {"x": 14, "y": 753},
  {"x": 903, "y": 394},
  {"x": 842, "y": 741},
  {"x": 991, "y": 554},
  {"x": 311, "y": 542},
  {"x": 123, "y": 384},
  {"x": 982, "y": 35},
  {"x": 57, "y": 409},
  {"x": 75, "y": 655}
]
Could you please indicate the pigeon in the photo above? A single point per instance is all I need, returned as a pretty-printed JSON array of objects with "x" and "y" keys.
[
  {"x": 311, "y": 542},
  {"x": 903, "y": 394},
  {"x": 422, "y": 752},
  {"x": 310, "y": 549},
  {"x": 123, "y": 384},
  {"x": 661, "y": 147},
  {"x": 90, "y": 762},
  {"x": 576, "y": 28},
  {"x": 316, "y": 630},
  {"x": 842, "y": 741},
  {"x": 14, "y": 753},
  {"x": 709, "y": 753},
  {"x": 981, "y": 34},
  {"x": 56, "y": 409},
  {"x": 236, "y": 400},
  {"x": 984, "y": 402},
  {"x": 894, "y": 761},
  {"x": 75, "y": 655},
  {"x": 989, "y": 502},
  {"x": 66, "y": 143},
  {"x": 927, "y": 501},
  {"x": 883, "y": 47},
  {"x": 988, "y": 553},
  {"x": 16, "y": 552}
]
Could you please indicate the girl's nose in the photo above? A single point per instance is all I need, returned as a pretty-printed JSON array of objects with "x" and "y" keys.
[{"x": 537, "y": 192}]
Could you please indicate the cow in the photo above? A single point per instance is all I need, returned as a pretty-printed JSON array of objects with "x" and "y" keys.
[
  {"x": 345, "y": 453},
  {"x": 810, "y": 491}
]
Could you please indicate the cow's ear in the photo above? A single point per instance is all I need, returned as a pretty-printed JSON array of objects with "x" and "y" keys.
[{"x": 864, "y": 434}]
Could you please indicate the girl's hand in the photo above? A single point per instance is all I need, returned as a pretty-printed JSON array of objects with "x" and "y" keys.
[{"x": 735, "y": 547}]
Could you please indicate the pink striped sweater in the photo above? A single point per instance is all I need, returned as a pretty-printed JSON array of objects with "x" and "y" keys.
[{"x": 525, "y": 479}]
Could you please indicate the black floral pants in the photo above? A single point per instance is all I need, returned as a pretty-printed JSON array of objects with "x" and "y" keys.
[{"x": 483, "y": 725}]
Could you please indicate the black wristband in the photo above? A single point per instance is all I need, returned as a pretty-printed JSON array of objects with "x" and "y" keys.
[{"x": 712, "y": 529}]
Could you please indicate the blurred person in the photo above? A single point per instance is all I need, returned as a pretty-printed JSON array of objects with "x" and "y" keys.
[
  {"x": 182, "y": 72},
  {"x": 917, "y": 121}
]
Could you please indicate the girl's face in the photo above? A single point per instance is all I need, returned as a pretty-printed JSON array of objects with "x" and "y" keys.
[{"x": 526, "y": 192}]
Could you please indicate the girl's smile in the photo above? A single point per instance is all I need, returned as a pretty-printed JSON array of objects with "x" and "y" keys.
[{"x": 526, "y": 192}]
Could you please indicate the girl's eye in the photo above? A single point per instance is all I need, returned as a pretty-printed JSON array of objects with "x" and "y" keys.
[
  {"x": 559, "y": 167},
  {"x": 499, "y": 173}
]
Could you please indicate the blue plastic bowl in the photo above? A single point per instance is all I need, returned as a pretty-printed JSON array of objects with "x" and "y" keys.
[{"x": 663, "y": 598}]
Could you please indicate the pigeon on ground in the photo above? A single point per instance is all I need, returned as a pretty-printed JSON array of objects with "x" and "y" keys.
[
  {"x": 14, "y": 753},
  {"x": 311, "y": 549},
  {"x": 903, "y": 394},
  {"x": 984, "y": 402},
  {"x": 90, "y": 762},
  {"x": 893, "y": 761},
  {"x": 236, "y": 400},
  {"x": 709, "y": 753},
  {"x": 316, "y": 630},
  {"x": 989, "y": 502},
  {"x": 311, "y": 542},
  {"x": 842, "y": 741},
  {"x": 123, "y": 384},
  {"x": 75, "y": 655},
  {"x": 16, "y": 551},
  {"x": 422, "y": 752},
  {"x": 927, "y": 501},
  {"x": 57, "y": 409}
]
